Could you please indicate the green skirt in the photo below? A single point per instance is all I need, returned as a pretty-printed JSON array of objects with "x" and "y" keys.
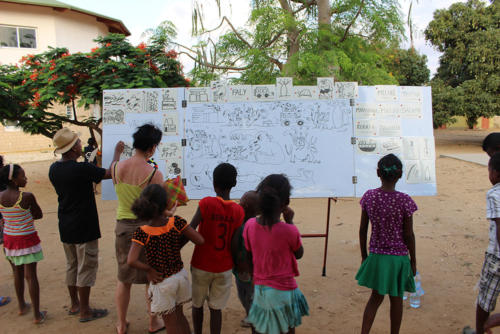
[
  {"x": 25, "y": 259},
  {"x": 387, "y": 274}
]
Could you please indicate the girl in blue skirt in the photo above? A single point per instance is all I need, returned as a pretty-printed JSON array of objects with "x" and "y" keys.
[{"x": 387, "y": 270}]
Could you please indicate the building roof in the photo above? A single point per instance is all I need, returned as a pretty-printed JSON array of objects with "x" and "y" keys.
[{"x": 114, "y": 25}]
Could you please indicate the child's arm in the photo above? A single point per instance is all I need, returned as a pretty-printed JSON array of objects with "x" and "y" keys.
[
  {"x": 193, "y": 235},
  {"x": 497, "y": 222},
  {"x": 133, "y": 261},
  {"x": 196, "y": 219},
  {"x": 288, "y": 215},
  {"x": 35, "y": 209},
  {"x": 493, "y": 321},
  {"x": 409, "y": 239},
  {"x": 363, "y": 234},
  {"x": 299, "y": 252},
  {"x": 234, "y": 244}
]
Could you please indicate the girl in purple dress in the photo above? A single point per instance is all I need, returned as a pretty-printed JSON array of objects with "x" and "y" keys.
[{"x": 387, "y": 270}]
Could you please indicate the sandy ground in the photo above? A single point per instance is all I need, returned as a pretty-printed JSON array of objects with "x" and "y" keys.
[{"x": 451, "y": 234}]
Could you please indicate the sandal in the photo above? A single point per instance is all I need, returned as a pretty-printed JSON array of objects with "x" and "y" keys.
[
  {"x": 4, "y": 300},
  {"x": 77, "y": 311},
  {"x": 95, "y": 314},
  {"x": 43, "y": 316}
]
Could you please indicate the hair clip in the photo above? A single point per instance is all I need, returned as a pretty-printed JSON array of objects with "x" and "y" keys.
[
  {"x": 393, "y": 168},
  {"x": 11, "y": 171}
]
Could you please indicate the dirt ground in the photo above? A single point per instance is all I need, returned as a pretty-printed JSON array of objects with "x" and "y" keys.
[{"x": 451, "y": 234}]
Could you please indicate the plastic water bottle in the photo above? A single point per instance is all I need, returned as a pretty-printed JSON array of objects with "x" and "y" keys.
[{"x": 415, "y": 296}]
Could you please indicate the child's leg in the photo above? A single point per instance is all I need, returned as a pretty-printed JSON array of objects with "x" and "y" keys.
[
  {"x": 481, "y": 317},
  {"x": 370, "y": 311},
  {"x": 18, "y": 272},
  {"x": 33, "y": 287},
  {"x": 155, "y": 322},
  {"x": 396, "y": 313},
  {"x": 182, "y": 321},
  {"x": 215, "y": 321},
  {"x": 176, "y": 322},
  {"x": 197, "y": 313}
]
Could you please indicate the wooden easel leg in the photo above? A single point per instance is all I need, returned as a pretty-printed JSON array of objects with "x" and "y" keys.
[{"x": 330, "y": 199}]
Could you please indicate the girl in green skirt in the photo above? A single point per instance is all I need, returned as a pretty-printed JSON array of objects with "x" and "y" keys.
[{"x": 387, "y": 270}]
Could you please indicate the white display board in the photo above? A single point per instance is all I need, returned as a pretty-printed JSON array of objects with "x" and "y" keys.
[{"x": 305, "y": 132}]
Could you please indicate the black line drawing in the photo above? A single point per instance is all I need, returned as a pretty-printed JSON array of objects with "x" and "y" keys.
[
  {"x": 113, "y": 99},
  {"x": 211, "y": 113},
  {"x": 302, "y": 147},
  {"x": 409, "y": 93},
  {"x": 305, "y": 92},
  {"x": 386, "y": 93},
  {"x": 197, "y": 95},
  {"x": 411, "y": 148},
  {"x": 151, "y": 101},
  {"x": 413, "y": 172},
  {"x": 170, "y": 124},
  {"x": 128, "y": 151},
  {"x": 202, "y": 144},
  {"x": 173, "y": 167},
  {"x": 134, "y": 101},
  {"x": 367, "y": 145},
  {"x": 239, "y": 93},
  {"x": 325, "y": 86},
  {"x": 390, "y": 145},
  {"x": 263, "y": 92},
  {"x": 170, "y": 150},
  {"x": 169, "y": 99},
  {"x": 284, "y": 90},
  {"x": 113, "y": 116},
  {"x": 346, "y": 90},
  {"x": 218, "y": 91}
]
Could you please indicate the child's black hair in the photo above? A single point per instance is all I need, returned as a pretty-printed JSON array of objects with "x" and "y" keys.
[
  {"x": 224, "y": 176},
  {"x": 390, "y": 167},
  {"x": 274, "y": 193},
  {"x": 91, "y": 141},
  {"x": 146, "y": 137},
  {"x": 1, "y": 161},
  {"x": 4, "y": 175},
  {"x": 494, "y": 162},
  {"x": 491, "y": 141},
  {"x": 151, "y": 203}
]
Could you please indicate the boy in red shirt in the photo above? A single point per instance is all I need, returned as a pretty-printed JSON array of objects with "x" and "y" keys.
[{"x": 217, "y": 218}]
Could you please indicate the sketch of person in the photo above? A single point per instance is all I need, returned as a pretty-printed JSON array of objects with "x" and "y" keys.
[
  {"x": 325, "y": 88},
  {"x": 302, "y": 148}
]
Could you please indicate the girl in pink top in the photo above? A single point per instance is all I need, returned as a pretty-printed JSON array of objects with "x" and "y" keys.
[{"x": 278, "y": 304}]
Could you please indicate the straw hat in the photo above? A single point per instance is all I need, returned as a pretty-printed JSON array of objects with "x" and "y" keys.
[{"x": 64, "y": 140}]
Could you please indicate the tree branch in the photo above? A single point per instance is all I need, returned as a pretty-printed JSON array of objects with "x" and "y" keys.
[
  {"x": 352, "y": 22},
  {"x": 214, "y": 66},
  {"x": 224, "y": 18},
  {"x": 274, "y": 39}
]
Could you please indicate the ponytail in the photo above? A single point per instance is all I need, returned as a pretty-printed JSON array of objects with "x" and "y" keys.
[
  {"x": 274, "y": 194},
  {"x": 151, "y": 203},
  {"x": 7, "y": 174}
]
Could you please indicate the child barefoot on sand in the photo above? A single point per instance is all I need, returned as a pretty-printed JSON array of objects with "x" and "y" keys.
[
  {"x": 21, "y": 243},
  {"x": 161, "y": 240},
  {"x": 387, "y": 270},
  {"x": 278, "y": 305}
]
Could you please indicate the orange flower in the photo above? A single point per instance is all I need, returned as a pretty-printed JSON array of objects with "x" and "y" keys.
[
  {"x": 171, "y": 54},
  {"x": 108, "y": 44},
  {"x": 94, "y": 49},
  {"x": 131, "y": 65},
  {"x": 142, "y": 46}
]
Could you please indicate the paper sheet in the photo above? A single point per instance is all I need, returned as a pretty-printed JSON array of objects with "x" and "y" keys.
[
  {"x": 326, "y": 88},
  {"x": 171, "y": 124},
  {"x": 284, "y": 88},
  {"x": 168, "y": 99},
  {"x": 366, "y": 110},
  {"x": 197, "y": 94},
  {"x": 305, "y": 92},
  {"x": 263, "y": 92},
  {"x": 389, "y": 128},
  {"x": 409, "y": 93},
  {"x": 386, "y": 93},
  {"x": 170, "y": 150},
  {"x": 218, "y": 89},
  {"x": 240, "y": 93},
  {"x": 365, "y": 128},
  {"x": 346, "y": 90}
]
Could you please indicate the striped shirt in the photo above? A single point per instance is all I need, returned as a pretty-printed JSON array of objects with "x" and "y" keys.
[
  {"x": 18, "y": 221},
  {"x": 492, "y": 212}
]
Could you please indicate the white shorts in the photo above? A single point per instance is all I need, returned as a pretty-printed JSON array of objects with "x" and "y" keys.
[
  {"x": 213, "y": 287},
  {"x": 169, "y": 293}
]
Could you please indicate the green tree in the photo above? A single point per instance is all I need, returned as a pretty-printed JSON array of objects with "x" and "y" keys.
[
  {"x": 468, "y": 35},
  {"x": 300, "y": 38},
  {"x": 28, "y": 92},
  {"x": 408, "y": 67}
]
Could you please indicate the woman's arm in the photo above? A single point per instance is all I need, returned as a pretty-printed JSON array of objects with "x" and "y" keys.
[
  {"x": 363, "y": 234},
  {"x": 193, "y": 235},
  {"x": 409, "y": 240},
  {"x": 133, "y": 261},
  {"x": 116, "y": 157}
]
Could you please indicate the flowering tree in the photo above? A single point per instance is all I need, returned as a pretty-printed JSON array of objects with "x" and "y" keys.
[{"x": 28, "y": 91}]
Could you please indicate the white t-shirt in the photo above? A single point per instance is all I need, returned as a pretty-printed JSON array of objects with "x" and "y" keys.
[{"x": 492, "y": 212}]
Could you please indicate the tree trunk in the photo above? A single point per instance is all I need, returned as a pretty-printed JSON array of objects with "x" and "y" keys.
[{"x": 324, "y": 24}]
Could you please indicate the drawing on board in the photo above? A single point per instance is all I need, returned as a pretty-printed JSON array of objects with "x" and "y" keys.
[
  {"x": 151, "y": 101},
  {"x": 390, "y": 145},
  {"x": 413, "y": 173},
  {"x": 367, "y": 145},
  {"x": 263, "y": 92},
  {"x": 366, "y": 110},
  {"x": 386, "y": 93},
  {"x": 200, "y": 178},
  {"x": 409, "y": 93},
  {"x": 197, "y": 94},
  {"x": 301, "y": 147},
  {"x": 239, "y": 93},
  {"x": 389, "y": 128},
  {"x": 365, "y": 128},
  {"x": 113, "y": 116},
  {"x": 302, "y": 178},
  {"x": 211, "y": 113},
  {"x": 171, "y": 124},
  {"x": 325, "y": 86},
  {"x": 173, "y": 167},
  {"x": 202, "y": 144},
  {"x": 305, "y": 92},
  {"x": 170, "y": 150},
  {"x": 284, "y": 88},
  {"x": 168, "y": 99},
  {"x": 346, "y": 90},
  {"x": 134, "y": 101},
  {"x": 411, "y": 148},
  {"x": 113, "y": 99},
  {"x": 128, "y": 151},
  {"x": 389, "y": 109},
  {"x": 218, "y": 91},
  {"x": 428, "y": 171},
  {"x": 427, "y": 148}
]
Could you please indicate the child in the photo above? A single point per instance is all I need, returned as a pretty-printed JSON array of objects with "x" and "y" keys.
[
  {"x": 211, "y": 264},
  {"x": 242, "y": 266},
  {"x": 387, "y": 270},
  {"x": 90, "y": 151},
  {"x": 489, "y": 283},
  {"x": 161, "y": 240},
  {"x": 21, "y": 243},
  {"x": 278, "y": 304},
  {"x": 491, "y": 143}
]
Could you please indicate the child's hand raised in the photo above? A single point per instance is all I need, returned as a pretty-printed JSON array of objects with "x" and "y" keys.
[
  {"x": 288, "y": 214},
  {"x": 154, "y": 276}
]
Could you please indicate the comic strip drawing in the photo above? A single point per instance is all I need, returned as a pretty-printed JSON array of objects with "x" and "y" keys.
[
  {"x": 341, "y": 114},
  {"x": 173, "y": 167},
  {"x": 284, "y": 90},
  {"x": 171, "y": 124},
  {"x": 411, "y": 110},
  {"x": 303, "y": 178},
  {"x": 128, "y": 151},
  {"x": 366, "y": 110},
  {"x": 325, "y": 86},
  {"x": 389, "y": 128},
  {"x": 200, "y": 179},
  {"x": 302, "y": 147},
  {"x": 263, "y": 92},
  {"x": 115, "y": 99},
  {"x": 134, "y": 101},
  {"x": 365, "y": 127},
  {"x": 218, "y": 91},
  {"x": 197, "y": 95},
  {"x": 367, "y": 145},
  {"x": 169, "y": 99},
  {"x": 409, "y": 93},
  {"x": 427, "y": 148},
  {"x": 390, "y": 145},
  {"x": 428, "y": 168},
  {"x": 210, "y": 113},
  {"x": 170, "y": 150},
  {"x": 113, "y": 116},
  {"x": 305, "y": 92},
  {"x": 151, "y": 101},
  {"x": 346, "y": 90},
  {"x": 202, "y": 144},
  {"x": 412, "y": 172}
]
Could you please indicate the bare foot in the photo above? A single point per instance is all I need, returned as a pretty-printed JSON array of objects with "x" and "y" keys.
[
  {"x": 120, "y": 330},
  {"x": 25, "y": 309}
]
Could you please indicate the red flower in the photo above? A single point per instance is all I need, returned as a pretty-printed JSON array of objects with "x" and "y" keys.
[
  {"x": 142, "y": 46},
  {"x": 171, "y": 54},
  {"x": 131, "y": 65},
  {"x": 94, "y": 49},
  {"x": 24, "y": 82},
  {"x": 108, "y": 44}
]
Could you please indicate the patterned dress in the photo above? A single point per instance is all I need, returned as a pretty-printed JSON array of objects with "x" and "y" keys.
[{"x": 21, "y": 242}]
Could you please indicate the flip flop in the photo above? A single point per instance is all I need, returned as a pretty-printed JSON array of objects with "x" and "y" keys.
[
  {"x": 4, "y": 300},
  {"x": 43, "y": 316},
  {"x": 468, "y": 330},
  {"x": 156, "y": 331},
  {"x": 96, "y": 314},
  {"x": 74, "y": 312}
]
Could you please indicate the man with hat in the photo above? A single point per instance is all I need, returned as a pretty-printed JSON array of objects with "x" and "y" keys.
[{"x": 78, "y": 219}]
